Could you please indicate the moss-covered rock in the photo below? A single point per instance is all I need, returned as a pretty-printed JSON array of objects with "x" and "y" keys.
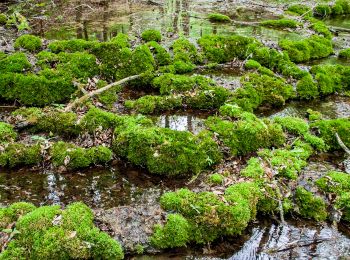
[
  {"x": 7, "y": 134},
  {"x": 49, "y": 232},
  {"x": 307, "y": 88},
  {"x": 340, "y": 7},
  {"x": 300, "y": 9},
  {"x": 29, "y": 42},
  {"x": 97, "y": 118},
  {"x": 71, "y": 45},
  {"x": 222, "y": 49},
  {"x": 310, "y": 205},
  {"x": 334, "y": 182},
  {"x": 175, "y": 233},
  {"x": 11, "y": 213},
  {"x": 280, "y": 23},
  {"x": 151, "y": 35},
  {"x": 288, "y": 162},
  {"x": 74, "y": 157},
  {"x": 162, "y": 150},
  {"x": 49, "y": 86},
  {"x": 208, "y": 216},
  {"x": 216, "y": 179},
  {"x": 344, "y": 54},
  {"x": 328, "y": 128},
  {"x": 343, "y": 203},
  {"x": 3, "y": 18},
  {"x": 260, "y": 90},
  {"x": 17, "y": 154},
  {"x": 17, "y": 62},
  {"x": 322, "y": 10},
  {"x": 218, "y": 18},
  {"x": 160, "y": 54},
  {"x": 185, "y": 56},
  {"x": 253, "y": 169},
  {"x": 245, "y": 136},
  {"x": 315, "y": 47},
  {"x": 150, "y": 104}
]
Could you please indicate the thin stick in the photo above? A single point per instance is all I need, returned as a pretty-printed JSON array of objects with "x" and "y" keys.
[{"x": 71, "y": 105}]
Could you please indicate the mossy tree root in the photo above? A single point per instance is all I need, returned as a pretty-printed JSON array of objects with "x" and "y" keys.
[{"x": 88, "y": 95}]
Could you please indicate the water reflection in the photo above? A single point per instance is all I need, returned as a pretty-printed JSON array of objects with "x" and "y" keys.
[
  {"x": 105, "y": 18},
  {"x": 189, "y": 122},
  {"x": 331, "y": 107},
  {"x": 99, "y": 188}
]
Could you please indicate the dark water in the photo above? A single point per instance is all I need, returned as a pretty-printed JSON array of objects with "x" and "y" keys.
[{"x": 99, "y": 188}]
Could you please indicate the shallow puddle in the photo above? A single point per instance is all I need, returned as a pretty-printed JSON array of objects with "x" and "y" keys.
[
  {"x": 99, "y": 188},
  {"x": 331, "y": 107}
]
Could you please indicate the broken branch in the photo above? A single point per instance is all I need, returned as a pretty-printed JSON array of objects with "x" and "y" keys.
[{"x": 88, "y": 95}]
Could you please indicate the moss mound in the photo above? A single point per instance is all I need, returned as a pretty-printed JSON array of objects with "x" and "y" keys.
[
  {"x": 49, "y": 232},
  {"x": 29, "y": 42}
]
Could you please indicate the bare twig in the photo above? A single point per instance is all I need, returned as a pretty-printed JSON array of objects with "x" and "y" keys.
[
  {"x": 71, "y": 105},
  {"x": 342, "y": 145},
  {"x": 298, "y": 243}
]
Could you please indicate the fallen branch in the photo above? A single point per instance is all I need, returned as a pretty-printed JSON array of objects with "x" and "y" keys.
[
  {"x": 298, "y": 243},
  {"x": 342, "y": 145},
  {"x": 339, "y": 29},
  {"x": 88, "y": 95}
]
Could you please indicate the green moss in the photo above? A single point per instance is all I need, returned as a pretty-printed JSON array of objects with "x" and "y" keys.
[
  {"x": 7, "y": 134},
  {"x": 13, "y": 212},
  {"x": 315, "y": 47},
  {"x": 115, "y": 60},
  {"x": 175, "y": 233},
  {"x": 245, "y": 136},
  {"x": 3, "y": 19},
  {"x": 57, "y": 122},
  {"x": 17, "y": 154},
  {"x": 71, "y": 45},
  {"x": 309, "y": 205},
  {"x": 162, "y": 150},
  {"x": 150, "y": 104},
  {"x": 343, "y": 203},
  {"x": 281, "y": 23},
  {"x": 74, "y": 157},
  {"x": 334, "y": 182},
  {"x": 300, "y": 9},
  {"x": 151, "y": 35},
  {"x": 252, "y": 64},
  {"x": 260, "y": 90},
  {"x": 78, "y": 64},
  {"x": 322, "y": 10},
  {"x": 314, "y": 115},
  {"x": 253, "y": 169},
  {"x": 341, "y": 7},
  {"x": 222, "y": 49},
  {"x": 17, "y": 62},
  {"x": 46, "y": 59},
  {"x": 160, "y": 54},
  {"x": 96, "y": 118},
  {"x": 108, "y": 97},
  {"x": 29, "y": 42},
  {"x": 210, "y": 217},
  {"x": 328, "y": 128},
  {"x": 48, "y": 87},
  {"x": 277, "y": 61},
  {"x": 331, "y": 78},
  {"x": 219, "y": 18},
  {"x": 307, "y": 88},
  {"x": 288, "y": 162},
  {"x": 344, "y": 54},
  {"x": 216, "y": 178},
  {"x": 294, "y": 125},
  {"x": 320, "y": 27},
  {"x": 185, "y": 56},
  {"x": 121, "y": 40},
  {"x": 43, "y": 235}
]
